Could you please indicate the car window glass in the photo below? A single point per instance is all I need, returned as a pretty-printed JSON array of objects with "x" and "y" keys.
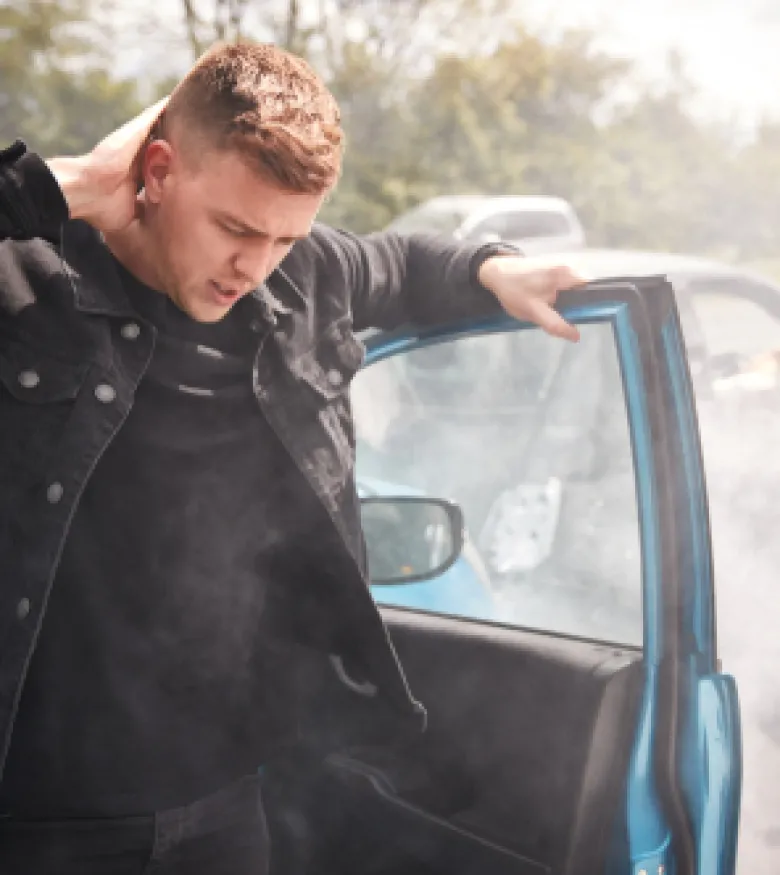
[{"x": 538, "y": 458}]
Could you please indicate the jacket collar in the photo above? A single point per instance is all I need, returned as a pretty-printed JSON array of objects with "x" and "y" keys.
[
  {"x": 279, "y": 296},
  {"x": 90, "y": 266}
]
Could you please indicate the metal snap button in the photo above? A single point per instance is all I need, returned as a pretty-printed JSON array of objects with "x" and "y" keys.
[
  {"x": 334, "y": 377},
  {"x": 130, "y": 331},
  {"x": 23, "y": 608},
  {"x": 105, "y": 393},
  {"x": 54, "y": 493},
  {"x": 29, "y": 379}
]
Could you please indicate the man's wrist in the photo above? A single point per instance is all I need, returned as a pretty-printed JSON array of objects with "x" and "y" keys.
[
  {"x": 32, "y": 203},
  {"x": 491, "y": 270}
]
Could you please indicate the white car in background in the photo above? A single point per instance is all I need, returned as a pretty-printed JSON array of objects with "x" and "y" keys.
[
  {"x": 534, "y": 224},
  {"x": 730, "y": 316}
]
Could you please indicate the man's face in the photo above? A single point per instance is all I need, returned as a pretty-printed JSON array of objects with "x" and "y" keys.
[{"x": 217, "y": 228}]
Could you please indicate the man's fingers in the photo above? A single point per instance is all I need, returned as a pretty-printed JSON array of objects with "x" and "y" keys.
[
  {"x": 128, "y": 139},
  {"x": 567, "y": 278},
  {"x": 145, "y": 124},
  {"x": 552, "y": 322},
  {"x": 542, "y": 313}
]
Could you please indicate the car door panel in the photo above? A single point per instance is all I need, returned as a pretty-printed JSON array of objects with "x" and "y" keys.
[
  {"x": 521, "y": 769},
  {"x": 412, "y": 838},
  {"x": 544, "y": 725}
]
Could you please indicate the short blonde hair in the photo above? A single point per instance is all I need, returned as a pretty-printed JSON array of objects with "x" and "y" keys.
[{"x": 268, "y": 105}]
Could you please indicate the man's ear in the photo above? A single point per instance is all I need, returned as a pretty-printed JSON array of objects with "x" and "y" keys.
[{"x": 157, "y": 163}]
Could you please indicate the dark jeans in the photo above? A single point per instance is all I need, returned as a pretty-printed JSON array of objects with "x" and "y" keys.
[{"x": 223, "y": 834}]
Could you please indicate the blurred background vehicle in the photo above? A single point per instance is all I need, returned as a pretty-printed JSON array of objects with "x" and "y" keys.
[
  {"x": 534, "y": 224},
  {"x": 730, "y": 316}
]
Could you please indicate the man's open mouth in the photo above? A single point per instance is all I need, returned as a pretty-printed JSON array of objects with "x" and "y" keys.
[{"x": 225, "y": 293}]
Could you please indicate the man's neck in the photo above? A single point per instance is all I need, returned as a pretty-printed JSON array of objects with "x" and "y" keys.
[{"x": 134, "y": 249}]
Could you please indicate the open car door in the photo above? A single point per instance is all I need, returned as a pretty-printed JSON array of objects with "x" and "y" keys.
[{"x": 578, "y": 722}]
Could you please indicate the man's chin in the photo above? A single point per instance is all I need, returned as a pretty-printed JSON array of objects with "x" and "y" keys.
[
  {"x": 201, "y": 311},
  {"x": 208, "y": 315}
]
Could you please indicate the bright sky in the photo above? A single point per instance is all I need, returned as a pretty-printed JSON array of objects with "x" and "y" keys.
[{"x": 731, "y": 48}]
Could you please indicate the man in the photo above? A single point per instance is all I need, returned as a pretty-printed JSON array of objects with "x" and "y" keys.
[{"x": 178, "y": 515}]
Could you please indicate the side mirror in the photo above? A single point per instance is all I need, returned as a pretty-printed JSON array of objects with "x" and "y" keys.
[{"x": 410, "y": 539}]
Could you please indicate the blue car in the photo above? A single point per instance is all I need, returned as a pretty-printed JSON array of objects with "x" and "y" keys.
[{"x": 579, "y": 719}]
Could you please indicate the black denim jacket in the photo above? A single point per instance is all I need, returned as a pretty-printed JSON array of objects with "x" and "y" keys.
[{"x": 69, "y": 368}]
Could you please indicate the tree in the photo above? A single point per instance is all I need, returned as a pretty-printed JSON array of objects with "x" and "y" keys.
[
  {"x": 56, "y": 91},
  {"x": 660, "y": 172},
  {"x": 435, "y": 99},
  {"x": 517, "y": 119},
  {"x": 749, "y": 214},
  {"x": 224, "y": 23}
]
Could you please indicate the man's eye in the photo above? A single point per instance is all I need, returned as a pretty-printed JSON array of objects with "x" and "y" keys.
[{"x": 235, "y": 232}]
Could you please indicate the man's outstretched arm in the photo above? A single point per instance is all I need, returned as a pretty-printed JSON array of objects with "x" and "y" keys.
[{"x": 424, "y": 280}]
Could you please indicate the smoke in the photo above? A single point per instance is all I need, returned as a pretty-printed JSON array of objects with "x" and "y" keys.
[{"x": 739, "y": 438}]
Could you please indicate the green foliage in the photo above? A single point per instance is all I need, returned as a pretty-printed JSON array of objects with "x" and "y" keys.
[
  {"x": 535, "y": 116},
  {"x": 440, "y": 97},
  {"x": 56, "y": 89}
]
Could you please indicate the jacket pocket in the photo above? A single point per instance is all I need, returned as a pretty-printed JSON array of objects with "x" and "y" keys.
[
  {"x": 37, "y": 396},
  {"x": 31, "y": 378}
]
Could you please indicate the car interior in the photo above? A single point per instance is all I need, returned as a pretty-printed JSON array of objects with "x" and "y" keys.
[{"x": 522, "y": 768}]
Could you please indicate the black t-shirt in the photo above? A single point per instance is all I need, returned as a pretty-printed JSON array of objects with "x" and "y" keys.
[{"x": 151, "y": 685}]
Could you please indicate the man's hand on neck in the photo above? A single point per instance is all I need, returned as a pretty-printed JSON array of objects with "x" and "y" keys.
[{"x": 102, "y": 186}]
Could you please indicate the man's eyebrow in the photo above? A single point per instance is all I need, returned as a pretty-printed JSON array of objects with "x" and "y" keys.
[{"x": 256, "y": 232}]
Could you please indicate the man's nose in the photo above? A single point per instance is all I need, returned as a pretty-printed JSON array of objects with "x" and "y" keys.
[{"x": 253, "y": 263}]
